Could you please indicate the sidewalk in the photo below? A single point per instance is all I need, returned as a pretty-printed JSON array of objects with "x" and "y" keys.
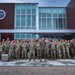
[{"x": 61, "y": 62}]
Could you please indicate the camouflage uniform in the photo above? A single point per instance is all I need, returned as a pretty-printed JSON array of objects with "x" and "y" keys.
[
  {"x": 31, "y": 50},
  {"x": 48, "y": 49},
  {"x": 38, "y": 50},
  {"x": 53, "y": 50},
  {"x": 6, "y": 48},
  {"x": 12, "y": 51},
  {"x": 43, "y": 49},
  {"x": 3, "y": 43},
  {"x": 24, "y": 50},
  {"x": 59, "y": 53},
  {"x": 72, "y": 50},
  {"x": 1, "y": 50},
  {"x": 17, "y": 51},
  {"x": 67, "y": 45},
  {"x": 63, "y": 50}
]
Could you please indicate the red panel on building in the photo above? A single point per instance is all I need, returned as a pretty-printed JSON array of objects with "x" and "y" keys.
[
  {"x": 7, "y": 35},
  {"x": 8, "y": 21},
  {"x": 71, "y": 15}
]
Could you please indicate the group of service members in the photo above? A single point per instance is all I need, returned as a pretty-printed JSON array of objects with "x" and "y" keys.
[{"x": 38, "y": 49}]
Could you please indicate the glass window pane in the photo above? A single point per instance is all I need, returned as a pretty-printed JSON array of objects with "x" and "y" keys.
[
  {"x": 22, "y": 35},
  {"x": 23, "y": 9},
  {"x": 43, "y": 23},
  {"x": 17, "y": 35},
  {"x": 48, "y": 23},
  {"x": 48, "y": 12},
  {"x": 39, "y": 12},
  {"x": 60, "y": 10},
  {"x": 17, "y": 8},
  {"x": 54, "y": 15},
  {"x": 33, "y": 20},
  {"x": 28, "y": 20},
  {"x": 17, "y": 20},
  {"x": 60, "y": 15},
  {"x": 43, "y": 12},
  {"x": 60, "y": 23},
  {"x": 55, "y": 24},
  {"x": 33, "y": 8},
  {"x": 28, "y": 8},
  {"x": 64, "y": 23},
  {"x": 54, "y": 10},
  {"x": 33, "y": 36},
  {"x": 63, "y": 15},
  {"x": 23, "y": 20},
  {"x": 28, "y": 36},
  {"x": 40, "y": 23}
]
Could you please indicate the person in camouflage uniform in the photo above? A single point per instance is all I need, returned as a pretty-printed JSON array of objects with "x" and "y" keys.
[
  {"x": 63, "y": 49},
  {"x": 43, "y": 49},
  {"x": 6, "y": 48},
  {"x": 53, "y": 49},
  {"x": 1, "y": 50},
  {"x": 72, "y": 49},
  {"x": 67, "y": 46},
  {"x": 48, "y": 49},
  {"x": 12, "y": 50},
  {"x": 24, "y": 49},
  {"x": 58, "y": 46},
  {"x": 31, "y": 50},
  {"x": 17, "y": 50},
  {"x": 3, "y": 43},
  {"x": 74, "y": 46},
  {"x": 38, "y": 48},
  {"x": 6, "y": 45}
]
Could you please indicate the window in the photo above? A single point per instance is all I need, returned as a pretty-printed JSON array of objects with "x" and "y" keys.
[
  {"x": 28, "y": 8},
  {"x": 48, "y": 12},
  {"x": 33, "y": 8},
  {"x": 33, "y": 20},
  {"x": 17, "y": 8},
  {"x": 23, "y": 9},
  {"x": 43, "y": 12},
  {"x": 43, "y": 23},
  {"x": 52, "y": 18},
  {"x": 17, "y": 20},
  {"x": 25, "y": 19},
  {"x": 48, "y": 23},
  {"x": 22, "y": 20}
]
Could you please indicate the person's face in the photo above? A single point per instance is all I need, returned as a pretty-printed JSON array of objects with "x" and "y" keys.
[
  {"x": 71, "y": 41},
  {"x": 68, "y": 40},
  {"x": 3, "y": 40},
  {"x": 0, "y": 43},
  {"x": 7, "y": 38},
  {"x": 42, "y": 39}
]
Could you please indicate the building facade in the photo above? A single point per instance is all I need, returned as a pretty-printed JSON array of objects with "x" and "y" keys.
[{"x": 32, "y": 17}]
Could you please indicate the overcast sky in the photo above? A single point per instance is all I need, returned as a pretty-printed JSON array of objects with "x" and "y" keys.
[{"x": 57, "y": 3}]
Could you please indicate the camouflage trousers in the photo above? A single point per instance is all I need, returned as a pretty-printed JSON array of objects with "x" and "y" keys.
[
  {"x": 42, "y": 53},
  {"x": 31, "y": 54},
  {"x": 53, "y": 53},
  {"x": 63, "y": 54},
  {"x": 24, "y": 54},
  {"x": 48, "y": 54},
  {"x": 17, "y": 54},
  {"x": 59, "y": 54},
  {"x": 67, "y": 53}
]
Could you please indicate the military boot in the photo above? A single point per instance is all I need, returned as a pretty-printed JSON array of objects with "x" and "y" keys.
[
  {"x": 45, "y": 60},
  {"x": 34, "y": 60},
  {"x": 40, "y": 60},
  {"x": 29, "y": 60}
]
